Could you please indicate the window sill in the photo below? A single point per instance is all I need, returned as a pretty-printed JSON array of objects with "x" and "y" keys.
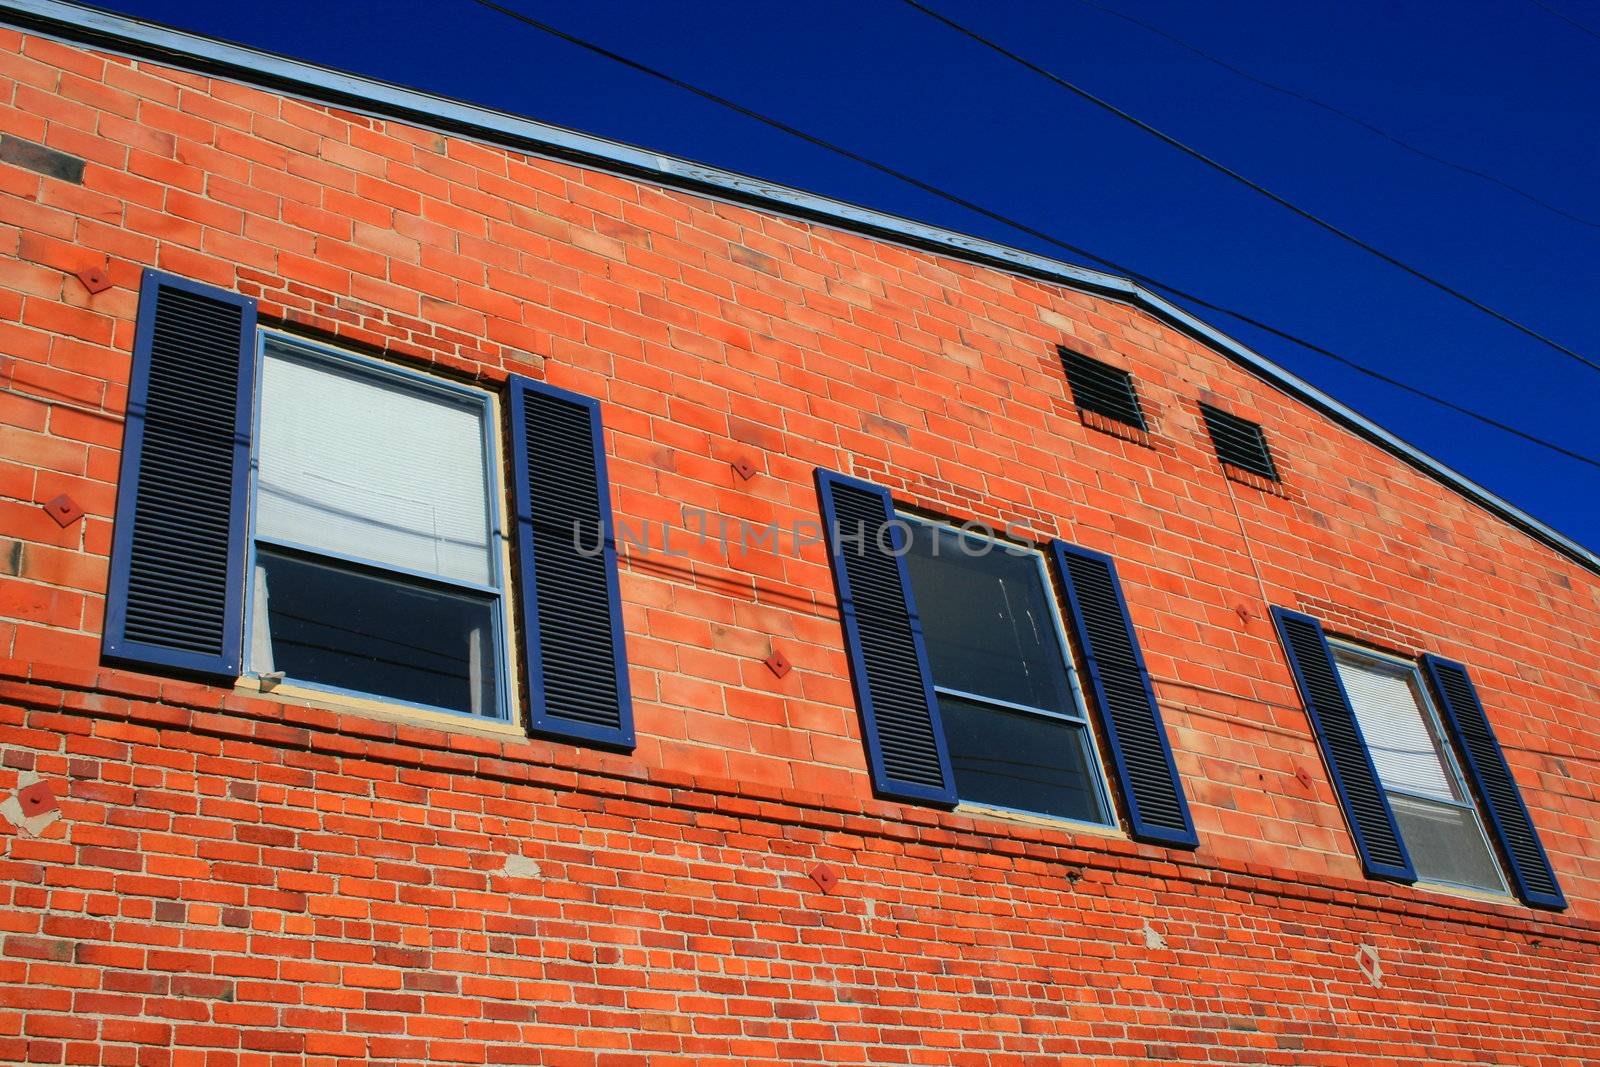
[
  {"x": 1486, "y": 896},
  {"x": 1127, "y": 432},
  {"x": 1054, "y": 822},
  {"x": 1271, "y": 486},
  {"x": 386, "y": 711}
]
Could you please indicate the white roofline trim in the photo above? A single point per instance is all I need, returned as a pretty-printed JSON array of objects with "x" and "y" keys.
[{"x": 139, "y": 39}]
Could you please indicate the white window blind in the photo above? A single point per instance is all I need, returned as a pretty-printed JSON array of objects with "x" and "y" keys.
[
  {"x": 364, "y": 465},
  {"x": 1393, "y": 721}
]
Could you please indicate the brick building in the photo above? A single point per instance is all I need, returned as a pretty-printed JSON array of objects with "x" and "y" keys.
[{"x": 471, "y": 592}]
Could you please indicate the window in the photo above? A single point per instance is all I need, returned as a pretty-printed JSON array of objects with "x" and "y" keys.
[
  {"x": 302, "y": 514},
  {"x": 964, "y": 685},
  {"x": 1239, "y": 442},
  {"x": 376, "y": 564},
  {"x": 1417, "y": 771},
  {"x": 1103, "y": 389},
  {"x": 1013, "y": 718}
]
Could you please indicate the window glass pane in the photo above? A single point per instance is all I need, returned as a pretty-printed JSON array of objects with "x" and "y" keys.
[
  {"x": 1445, "y": 843},
  {"x": 1017, "y": 760},
  {"x": 987, "y": 620},
  {"x": 342, "y": 626},
  {"x": 356, "y": 462},
  {"x": 1404, "y": 747}
]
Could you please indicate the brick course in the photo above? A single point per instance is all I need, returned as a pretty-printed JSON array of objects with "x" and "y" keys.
[{"x": 234, "y": 879}]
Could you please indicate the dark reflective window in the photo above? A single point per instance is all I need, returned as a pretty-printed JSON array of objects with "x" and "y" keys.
[
  {"x": 351, "y": 629},
  {"x": 993, "y": 642},
  {"x": 1012, "y": 759},
  {"x": 987, "y": 619}
]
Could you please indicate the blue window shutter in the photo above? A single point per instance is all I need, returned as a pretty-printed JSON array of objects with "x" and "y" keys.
[
  {"x": 573, "y": 650},
  {"x": 1157, "y": 810},
  {"x": 1372, "y": 824},
  {"x": 1486, "y": 763},
  {"x": 176, "y": 593},
  {"x": 883, "y": 636}
]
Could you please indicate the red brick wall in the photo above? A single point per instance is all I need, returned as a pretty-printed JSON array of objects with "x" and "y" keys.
[{"x": 193, "y": 875}]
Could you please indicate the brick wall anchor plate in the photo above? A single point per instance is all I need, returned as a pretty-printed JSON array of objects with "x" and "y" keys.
[
  {"x": 825, "y": 877},
  {"x": 63, "y": 509},
  {"x": 37, "y": 799},
  {"x": 744, "y": 468},
  {"x": 778, "y": 663},
  {"x": 94, "y": 279}
]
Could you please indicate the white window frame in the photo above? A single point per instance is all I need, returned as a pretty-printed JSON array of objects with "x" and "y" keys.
[
  {"x": 499, "y": 586},
  {"x": 1078, "y": 716},
  {"x": 1452, "y": 767}
]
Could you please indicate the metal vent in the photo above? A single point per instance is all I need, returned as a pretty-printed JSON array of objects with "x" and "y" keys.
[
  {"x": 1239, "y": 442},
  {"x": 1103, "y": 389}
]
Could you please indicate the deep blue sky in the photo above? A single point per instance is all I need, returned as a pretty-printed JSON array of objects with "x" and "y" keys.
[{"x": 1499, "y": 85}]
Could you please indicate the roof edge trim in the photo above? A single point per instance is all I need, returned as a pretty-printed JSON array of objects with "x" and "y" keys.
[{"x": 140, "y": 39}]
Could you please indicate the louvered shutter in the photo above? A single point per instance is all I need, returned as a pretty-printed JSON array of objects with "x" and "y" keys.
[
  {"x": 1508, "y": 815},
  {"x": 888, "y": 664},
  {"x": 574, "y": 655},
  {"x": 176, "y": 592},
  {"x": 1372, "y": 824},
  {"x": 1157, "y": 810}
]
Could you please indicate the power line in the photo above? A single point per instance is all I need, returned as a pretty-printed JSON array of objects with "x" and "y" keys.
[
  {"x": 1398, "y": 384},
  {"x": 1023, "y": 227},
  {"x": 1567, "y": 19},
  {"x": 1221, "y": 168},
  {"x": 1357, "y": 120}
]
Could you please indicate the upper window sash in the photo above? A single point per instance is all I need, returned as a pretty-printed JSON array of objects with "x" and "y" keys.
[
  {"x": 376, "y": 375},
  {"x": 1070, "y": 704},
  {"x": 1360, "y": 657}
]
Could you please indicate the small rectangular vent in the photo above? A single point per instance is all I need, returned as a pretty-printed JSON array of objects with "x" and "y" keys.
[
  {"x": 1102, "y": 389},
  {"x": 1239, "y": 442}
]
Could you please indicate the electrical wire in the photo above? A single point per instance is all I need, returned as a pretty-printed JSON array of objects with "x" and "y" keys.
[
  {"x": 1224, "y": 169},
  {"x": 1022, "y": 227},
  {"x": 1567, "y": 19},
  {"x": 1339, "y": 112}
]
